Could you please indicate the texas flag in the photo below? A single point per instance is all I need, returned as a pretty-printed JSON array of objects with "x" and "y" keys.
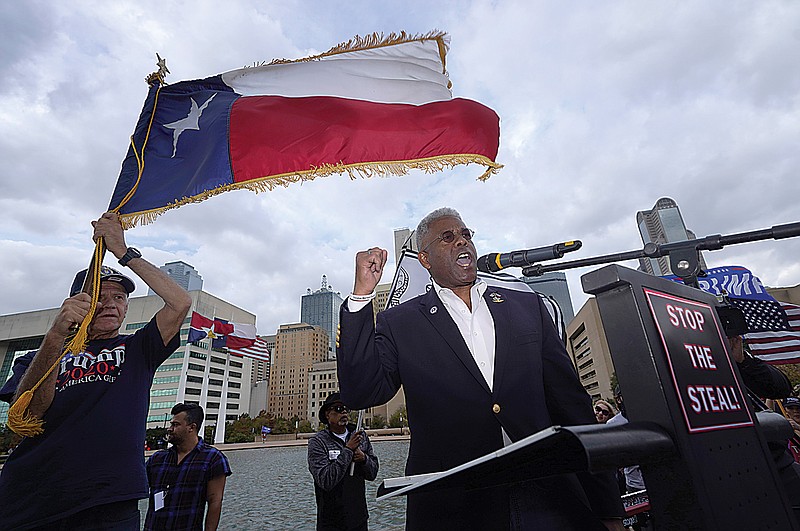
[
  {"x": 371, "y": 106},
  {"x": 233, "y": 335}
]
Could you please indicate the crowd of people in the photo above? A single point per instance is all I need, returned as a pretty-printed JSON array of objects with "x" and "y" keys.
[{"x": 483, "y": 361}]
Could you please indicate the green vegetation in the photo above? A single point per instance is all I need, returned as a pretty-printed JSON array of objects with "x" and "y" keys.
[
  {"x": 377, "y": 422},
  {"x": 155, "y": 438},
  {"x": 399, "y": 418},
  {"x": 8, "y": 439},
  {"x": 246, "y": 429}
]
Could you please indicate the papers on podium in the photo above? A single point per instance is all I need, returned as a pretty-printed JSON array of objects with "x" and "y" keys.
[{"x": 554, "y": 450}]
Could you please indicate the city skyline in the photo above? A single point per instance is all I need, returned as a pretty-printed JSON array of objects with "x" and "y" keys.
[{"x": 603, "y": 110}]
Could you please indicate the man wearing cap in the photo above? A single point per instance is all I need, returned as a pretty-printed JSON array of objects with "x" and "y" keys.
[
  {"x": 86, "y": 471},
  {"x": 340, "y": 459},
  {"x": 792, "y": 406}
]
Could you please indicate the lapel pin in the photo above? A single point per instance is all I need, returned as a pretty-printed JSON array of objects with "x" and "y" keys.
[
  {"x": 434, "y": 309},
  {"x": 496, "y": 297}
]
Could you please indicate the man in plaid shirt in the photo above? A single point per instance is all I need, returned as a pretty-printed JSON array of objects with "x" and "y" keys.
[{"x": 186, "y": 476}]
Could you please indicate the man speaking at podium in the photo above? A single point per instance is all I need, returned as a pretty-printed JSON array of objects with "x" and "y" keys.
[{"x": 481, "y": 367}]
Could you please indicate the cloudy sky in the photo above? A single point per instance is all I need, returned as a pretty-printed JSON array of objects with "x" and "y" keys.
[{"x": 605, "y": 107}]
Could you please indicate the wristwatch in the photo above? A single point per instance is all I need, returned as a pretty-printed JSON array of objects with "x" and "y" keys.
[{"x": 129, "y": 255}]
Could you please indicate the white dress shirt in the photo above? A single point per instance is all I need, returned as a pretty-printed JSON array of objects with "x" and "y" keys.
[{"x": 476, "y": 326}]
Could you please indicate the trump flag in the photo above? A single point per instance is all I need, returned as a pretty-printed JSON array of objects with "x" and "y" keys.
[
  {"x": 773, "y": 327},
  {"x": 373, "y": 105}
]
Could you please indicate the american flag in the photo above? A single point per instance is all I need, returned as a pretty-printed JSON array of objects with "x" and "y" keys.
[
  {"x": 257, "y": 350},
  {"x": 778, "y": 346},
  {"x": 762, "y": 315}
]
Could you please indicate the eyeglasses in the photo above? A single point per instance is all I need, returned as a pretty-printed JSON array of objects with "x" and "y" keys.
[
  {"x": 449, "y": 236},
  {"x": 341, "y": 409}
]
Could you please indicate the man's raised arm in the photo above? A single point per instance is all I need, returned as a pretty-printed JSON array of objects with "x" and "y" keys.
[{"x": 176, "y": 300}]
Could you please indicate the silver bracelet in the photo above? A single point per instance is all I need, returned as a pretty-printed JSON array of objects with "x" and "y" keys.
[{"x": 361, "y": 298}]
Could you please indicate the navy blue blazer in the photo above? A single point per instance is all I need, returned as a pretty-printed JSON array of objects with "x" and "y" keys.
[{"x": 453, "y": 415}]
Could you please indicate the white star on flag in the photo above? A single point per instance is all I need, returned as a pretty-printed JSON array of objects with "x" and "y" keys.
[{"x": 191, "y": 122}]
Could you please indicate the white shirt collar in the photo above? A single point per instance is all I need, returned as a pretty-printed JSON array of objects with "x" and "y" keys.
[{"x": 477, "y": 289}]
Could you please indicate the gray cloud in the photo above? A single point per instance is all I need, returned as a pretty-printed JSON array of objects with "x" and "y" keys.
[{"x": 604, "y": 109}]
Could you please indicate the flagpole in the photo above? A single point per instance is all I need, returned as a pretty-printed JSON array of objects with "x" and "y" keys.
[
  {"x": 219, "y": 433},
  {"x": 358, "y": 429}
]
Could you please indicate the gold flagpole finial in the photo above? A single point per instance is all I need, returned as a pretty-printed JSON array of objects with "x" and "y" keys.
[{"x": 159, "y": 75}]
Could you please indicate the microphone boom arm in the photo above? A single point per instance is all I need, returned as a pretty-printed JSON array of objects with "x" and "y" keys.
[{"x": 684, "y": 255}]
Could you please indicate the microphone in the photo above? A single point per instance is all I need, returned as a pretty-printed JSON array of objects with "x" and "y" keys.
[{"x": 493, "y": 262}]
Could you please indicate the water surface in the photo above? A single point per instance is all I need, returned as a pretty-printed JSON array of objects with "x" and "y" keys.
[{"x": 271, "y": 489}]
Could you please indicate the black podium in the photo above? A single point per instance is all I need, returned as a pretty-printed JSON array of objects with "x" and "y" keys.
[
  {"x": 702, "y": 449},
  {"x": 673, "y": 367}
]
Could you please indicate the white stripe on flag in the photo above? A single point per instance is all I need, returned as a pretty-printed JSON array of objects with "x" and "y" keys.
[
  {"x": 244, "y": 330},
  {"x": 258, "y": 351},
  {"x": 407, "y": 72}
]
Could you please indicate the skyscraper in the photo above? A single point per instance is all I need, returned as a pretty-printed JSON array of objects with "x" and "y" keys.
[
  {"x": 183, "y": 274},
  {"x": 321, "y": 308},
  {"x": 662, "y": 224},
  {"x": 297, "y": 348},
  {"x": 554, "y": 284}
]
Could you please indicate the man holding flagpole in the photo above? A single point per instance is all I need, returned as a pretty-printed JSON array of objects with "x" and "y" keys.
[
  {"x": 67, "y": 478},
  {"x": 487, "y": 360}
]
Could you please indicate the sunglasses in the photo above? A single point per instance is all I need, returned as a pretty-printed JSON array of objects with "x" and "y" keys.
[
  {"x": 603, "y": 411},
  {"x": 341, "y": 409},
  {"x": 449, "y": 236}
]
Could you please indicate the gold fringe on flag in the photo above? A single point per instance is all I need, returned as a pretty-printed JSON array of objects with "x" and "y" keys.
[
  {"x": 369, "y": 42},
  {"x": 354, "y": 171}
]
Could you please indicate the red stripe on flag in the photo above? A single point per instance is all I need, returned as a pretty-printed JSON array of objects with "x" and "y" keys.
[
  {"x": 275, "y": 135},
  {"x": 236, "y": 342},
  {"x": 221, "y": 328},
  {"x": 199, "y": 321},
  {"x": 258, "y": 351}
]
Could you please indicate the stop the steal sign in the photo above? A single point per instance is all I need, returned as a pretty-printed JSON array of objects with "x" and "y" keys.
[{"x": 709, "y": 393}]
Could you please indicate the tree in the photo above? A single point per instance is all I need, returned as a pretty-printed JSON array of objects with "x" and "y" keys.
[
  {"x": 155, "y": 438},
  {"x": 614, "y": 382},
  {"x": 792, "y": 371},
  {"x": 377, "y": 422},
  {"x": 241, "y": 430},
  {"x": 399, "y": 418},
  {"x": 281, "y": 425},
  {"x": 305, "y": 427},
  {"x": 8, "y": 439}
]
